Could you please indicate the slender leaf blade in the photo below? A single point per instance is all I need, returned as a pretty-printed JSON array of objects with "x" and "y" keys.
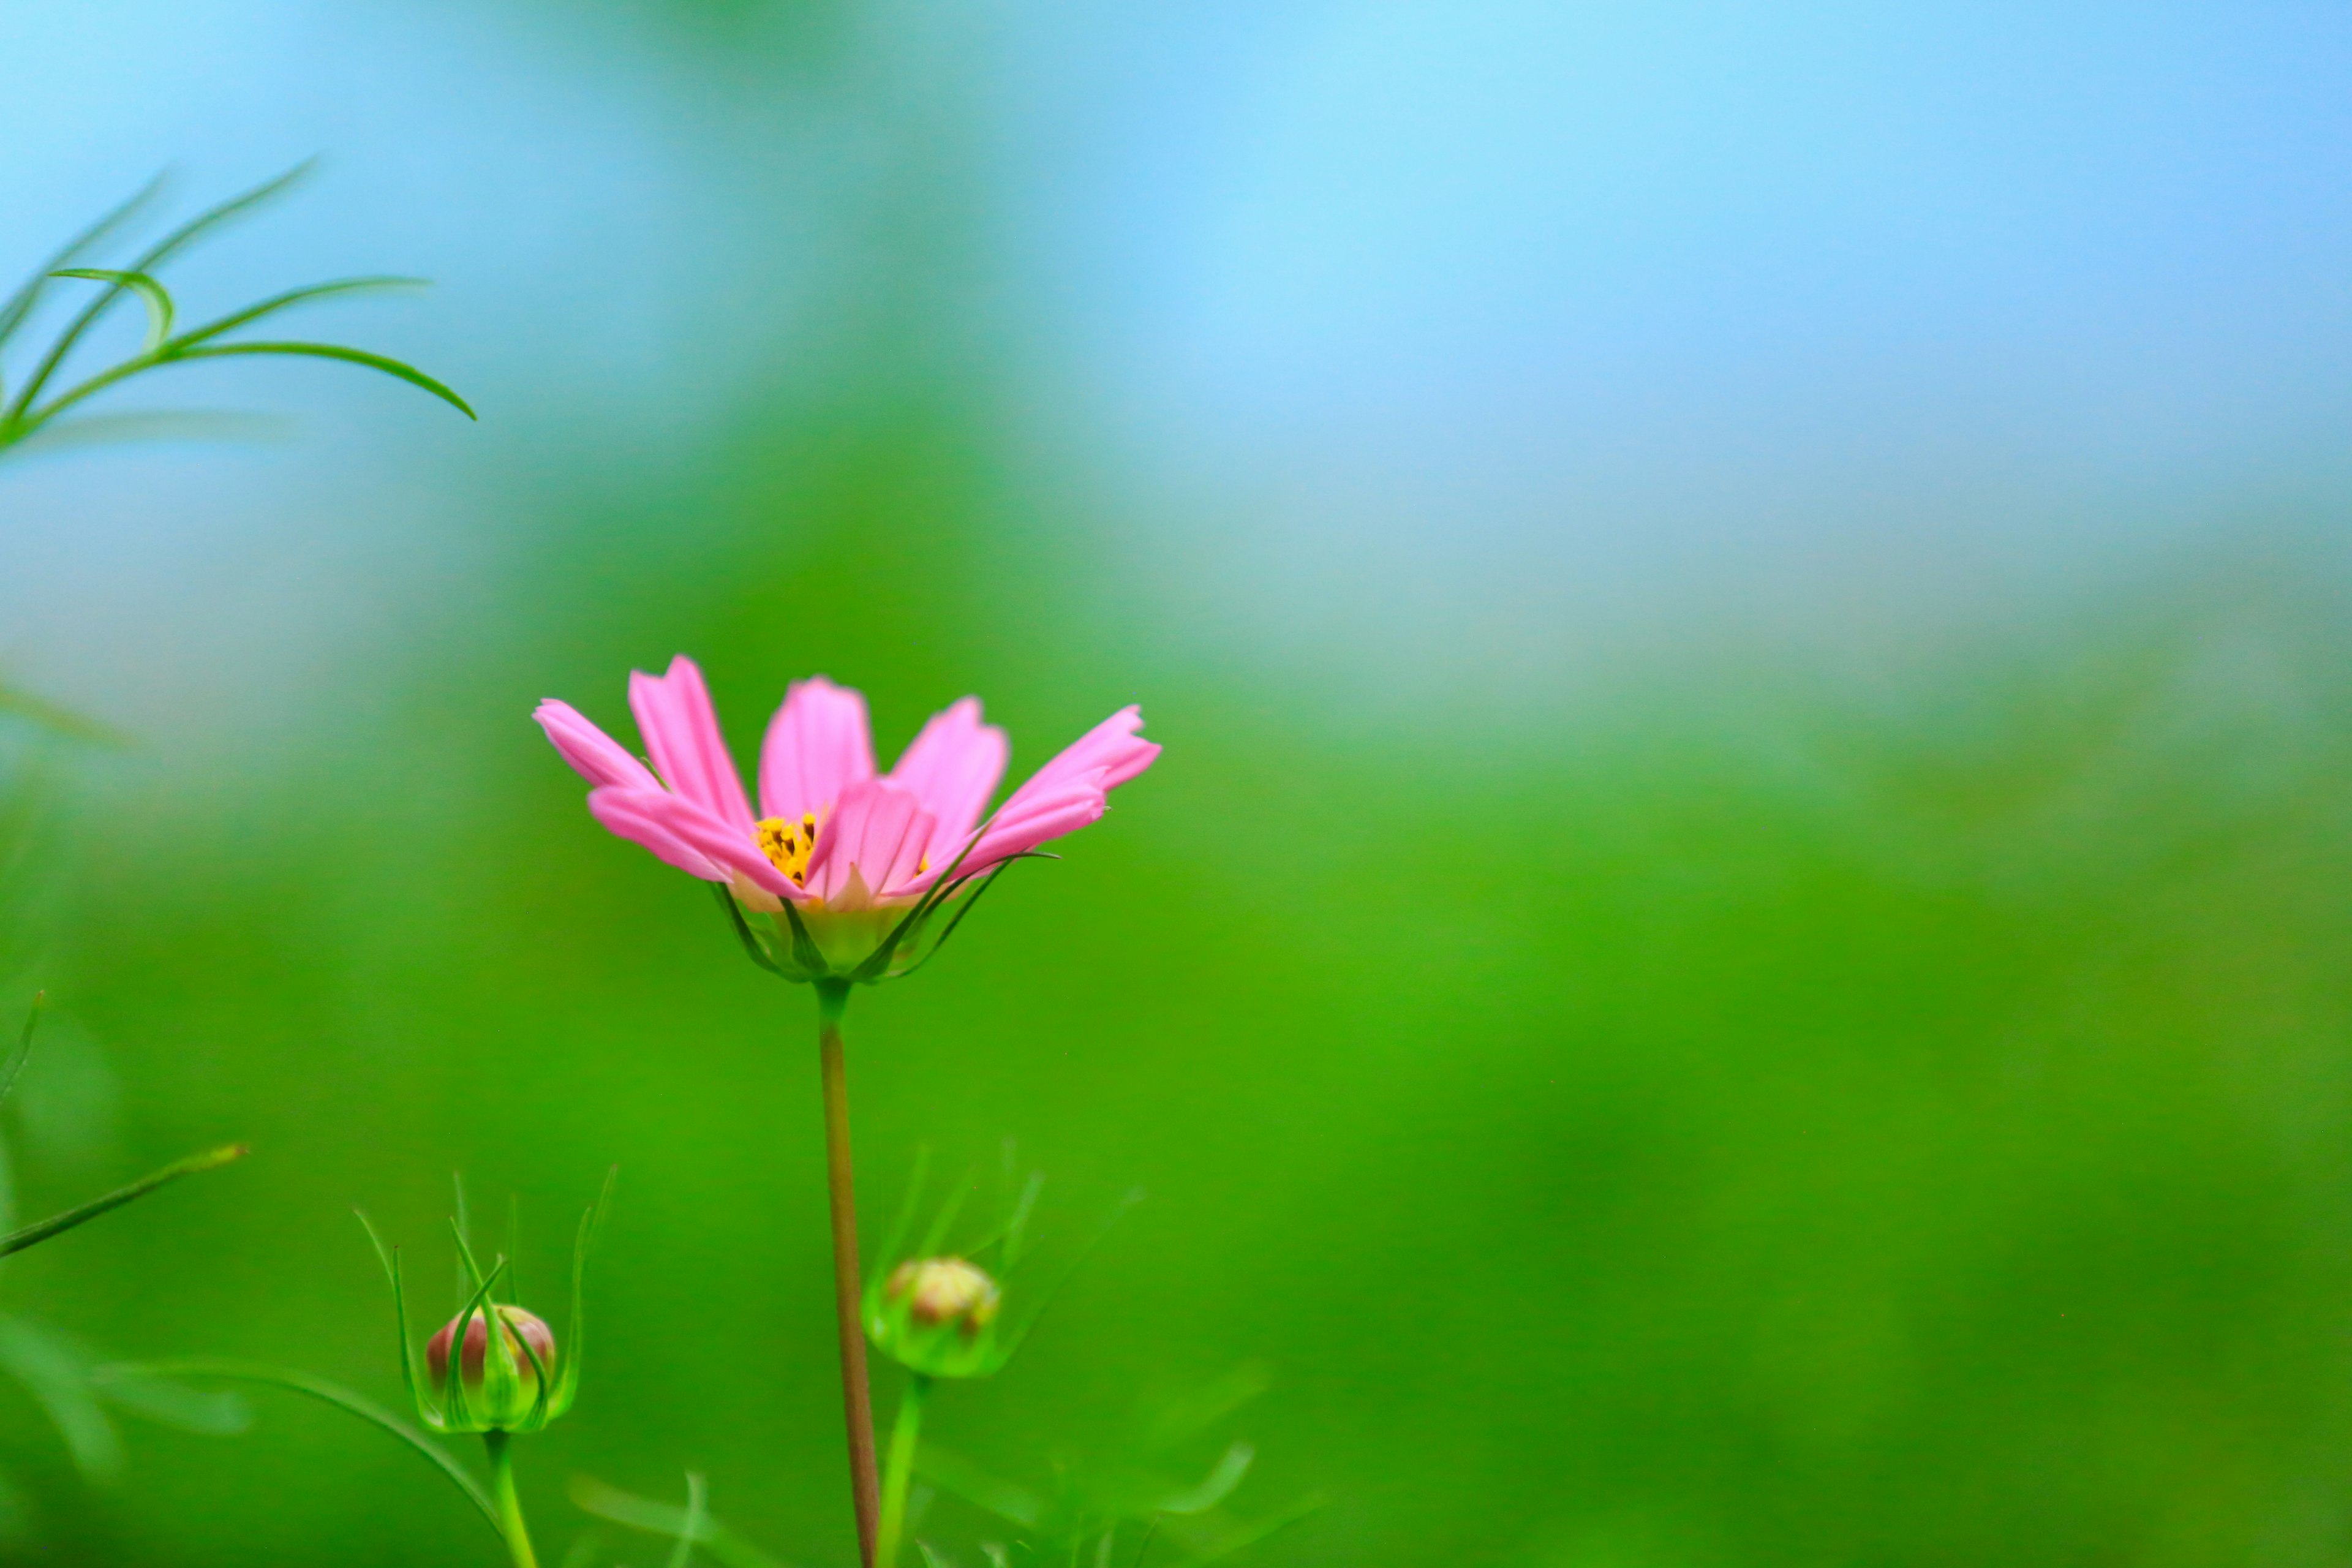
[
  {"x": 318, "y": 1388},
  {"x": 194, "y": 1164},
  {"x": 389, "y": 367}
]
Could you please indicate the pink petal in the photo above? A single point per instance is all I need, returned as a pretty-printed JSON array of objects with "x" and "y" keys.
[
  {"x": 877, "y": 828},
  {"x": 1113, "y": 746},
  {"x": 640, "y": 816},
  {"x": 687, "y": 837},
  {"x": 682, "y": 736},
  {"x": 1034, "y": 817},
  {"x": 953, "y": 766},
  {"x": 817, "y": 745},
  {"x": 596, "y": 756}
]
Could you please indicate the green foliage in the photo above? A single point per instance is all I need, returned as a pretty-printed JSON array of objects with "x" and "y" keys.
[{"x": 34, "y": 409}]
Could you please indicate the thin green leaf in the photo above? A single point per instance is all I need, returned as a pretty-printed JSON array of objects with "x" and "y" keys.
[
  {"x": 1215, "y": 1486},
  {"x": 158, "y": 299},
  {"x": 391, "y": 367},
  {"x": 59, "y": 721},
  {"x": 1017, "y": 1228},
  {"x": 458, "y": 1228},
  {"x": 698, "y": 1512},
  {"x": 154, "y": 424},
  {"x": 1249, "y": 1535},
  {"x": 752, "y": 947},
  {"x": 591, "y": 1224},
  {"x": 17, "y": 1059},
  {"x": 178, "y": 239},
  {"x": 804, "y": 948},
  {"x": 453, "y": 1392},
  {"x": 291, "y": 297},
  {"x": 56, "y": 1372},
  {"x": 514, "y": 1248},
  {"x": 208, "y": 1413},
  {"x": 20, "y": 304},
  {"x": 390, "y": 1257},
  {"x": 890, "y": 1256},
  {"x": 669, "y": 1521},
  {"x": 213, "y": 217},
  {"x": 936, "y": 1237},
  {"x": 31, "y": 1235},
  {"x": 987, "y": 880},
  {"x": 952, "y": 1473},
  {"x": 1016, "y": 1337},
  {"x": 319, "y": 1388}
]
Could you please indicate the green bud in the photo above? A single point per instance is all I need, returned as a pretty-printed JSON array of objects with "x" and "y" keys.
[
  {"x": 938, "y": 1316},
  {"x": 493, "y": 1401}
]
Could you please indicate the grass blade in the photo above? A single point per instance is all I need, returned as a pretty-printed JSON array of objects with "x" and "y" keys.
[
  {"x": 56, "y": 720},
  {"x": 277, "y": 302},
  {"x": 32, "y": 1235},
  {"x": 697, "y": 1513},
  {"x": 318, "y": 1388},
  {"x": 950, "y": 1473},
  {"x": 178, "y": 239},
  {"x": 592, "y": 1496},
  {"x": 158, "y": 299},
  {"x": 17, "y": 1059},
  {"x": 391, "y": 367},
  {"x": 20, "y": 304}
]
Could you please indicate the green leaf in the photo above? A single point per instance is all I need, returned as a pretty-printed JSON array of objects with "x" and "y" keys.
[
  {"x": 1251, "y": 1534},
  {"x": 59, "y": 720},
  {"x": 392, "y": 367},
  {"x": 890, "y": 1256},
  {"x": 592, "y": 1223},
  {"x": 56, "y": 1372},
  {"x": 178, "y": 239},
  {"x": 952, "y": 1473},
  {"x": 153, "y": 424},
  {"x": 20, "y": 304},
  {"x": 669, "y": 1521},
  {"x": 697, "y": 1513},
  {"x": 319, "y": 1388},
  {"x": 31, "y": 1235},
  {"x": 17, "y": 1059},
  {"x": 292, "y": 297},
  {"x": 1214, "y": 1487},
  {"x": 390, "y": 1257},
  {"x": 207, "y": 1412},
  {"x": 158, "y": 299},
  {"x": 753, "y": 948}
]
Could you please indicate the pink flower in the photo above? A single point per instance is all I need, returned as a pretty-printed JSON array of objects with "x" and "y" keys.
[{"x": 841, "y": 854}]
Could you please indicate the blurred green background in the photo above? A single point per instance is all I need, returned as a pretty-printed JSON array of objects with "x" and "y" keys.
[{"x": 1740, "y": 953}]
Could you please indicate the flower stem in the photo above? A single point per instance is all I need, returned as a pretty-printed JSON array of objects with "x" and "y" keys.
[
  {"x": 904, "y": 1433},
  {"x": 865, "y": 1487},
  {"x": 502, "y": 1488}
]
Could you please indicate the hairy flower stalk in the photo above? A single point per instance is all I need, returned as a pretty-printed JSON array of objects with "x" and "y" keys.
[{"x": 844, "y": 877}]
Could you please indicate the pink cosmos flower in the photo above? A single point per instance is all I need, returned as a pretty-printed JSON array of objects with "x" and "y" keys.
[{"x": 841, "y": 854}]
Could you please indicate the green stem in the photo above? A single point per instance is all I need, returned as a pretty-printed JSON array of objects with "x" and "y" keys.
[
  {"x": 502, "y": 1488},
  {"x": 905, "y": 1432},
  {"x": 865, "y": 1487}
]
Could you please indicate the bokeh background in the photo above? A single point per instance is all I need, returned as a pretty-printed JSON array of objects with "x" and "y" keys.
[{"x": 1739, "y": 954}]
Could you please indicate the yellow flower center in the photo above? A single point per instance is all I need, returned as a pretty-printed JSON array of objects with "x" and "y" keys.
[{"x": 787, "y": 844}]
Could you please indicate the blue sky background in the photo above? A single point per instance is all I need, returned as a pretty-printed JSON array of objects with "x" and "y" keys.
[{"x": 1449, "y": 351}]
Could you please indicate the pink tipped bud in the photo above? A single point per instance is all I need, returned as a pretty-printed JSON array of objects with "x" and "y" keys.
[
  {"x": 944, "y": 1290},
  {"x": 520, "y": 1327}
]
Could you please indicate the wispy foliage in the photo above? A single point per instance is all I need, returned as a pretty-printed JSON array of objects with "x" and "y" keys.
[{"x": 33, "y": 407}]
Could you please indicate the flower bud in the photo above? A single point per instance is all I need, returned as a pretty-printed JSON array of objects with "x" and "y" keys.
[
  {"x": 938, "y": 1316},
  {"x": 944, "y": 1290},
  {"x": 521, "y": 1327}
]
